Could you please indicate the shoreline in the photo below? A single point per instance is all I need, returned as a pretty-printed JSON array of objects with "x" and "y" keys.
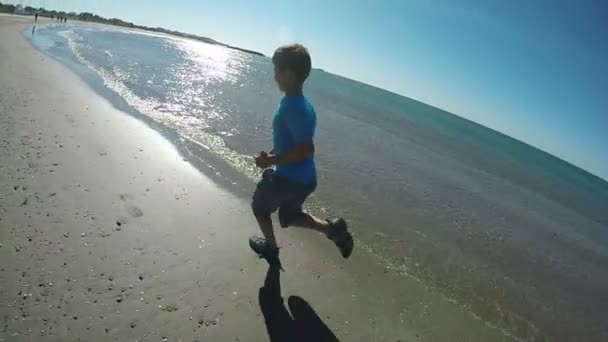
[
  {"x": 131, "y": 26},
  {"x": 113, "y": 168}
]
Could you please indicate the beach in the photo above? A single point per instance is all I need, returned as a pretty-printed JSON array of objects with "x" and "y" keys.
[{"x": 109, "y": 233}]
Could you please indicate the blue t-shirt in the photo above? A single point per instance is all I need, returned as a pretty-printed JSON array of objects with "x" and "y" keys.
[{"x": 294, "y": 123}]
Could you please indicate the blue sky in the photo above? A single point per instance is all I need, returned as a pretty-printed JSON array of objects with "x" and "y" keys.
[{"x": 535, "y": 70}]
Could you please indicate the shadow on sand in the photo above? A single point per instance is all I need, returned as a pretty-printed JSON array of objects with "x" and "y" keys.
[{"x": 302, "y": 325}]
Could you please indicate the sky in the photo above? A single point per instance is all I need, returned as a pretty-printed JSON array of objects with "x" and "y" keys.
[{"x": 535, "y": 70}]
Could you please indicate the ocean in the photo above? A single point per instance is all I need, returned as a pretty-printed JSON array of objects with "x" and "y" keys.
[{"x": 515, "y": 235}]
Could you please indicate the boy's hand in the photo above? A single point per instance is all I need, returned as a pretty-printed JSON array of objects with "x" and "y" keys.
[{"x": 264, "y": 160}]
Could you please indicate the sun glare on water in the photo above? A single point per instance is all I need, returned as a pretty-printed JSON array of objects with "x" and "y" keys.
[{"x": 211, "y": 63}]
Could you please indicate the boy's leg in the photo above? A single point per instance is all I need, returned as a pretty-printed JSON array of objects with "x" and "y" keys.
[
  {"x": 291, "y": 214},
  {"x": 306, "y": 220},
  {"x": 273, "y": 192},
  {"x": 266, "y": 200},
  {"x": 335, "y": 230},
  {"x": 265, "y": 223}
]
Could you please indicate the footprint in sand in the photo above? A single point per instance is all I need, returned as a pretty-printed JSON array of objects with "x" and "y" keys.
[
  {"x": 133, "y": 210},
  {"x": 126, "y": 197}
]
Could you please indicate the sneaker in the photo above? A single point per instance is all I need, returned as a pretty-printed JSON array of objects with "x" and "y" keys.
[
  {"x": 338, "y": 233},
  {"x": 263, "y": 249}
]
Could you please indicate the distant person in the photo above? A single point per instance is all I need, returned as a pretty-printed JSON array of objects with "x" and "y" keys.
[
  {"x": 65, "y": 20},
  {"x": 293, "y": 177},
  {"x": 36, "y": 17}
]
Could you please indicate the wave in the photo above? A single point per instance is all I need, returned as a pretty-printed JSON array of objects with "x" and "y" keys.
[{"x": 114, "y": 80}]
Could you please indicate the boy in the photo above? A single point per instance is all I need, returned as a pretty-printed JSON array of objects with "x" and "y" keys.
[{"x": 293, "y": 178}]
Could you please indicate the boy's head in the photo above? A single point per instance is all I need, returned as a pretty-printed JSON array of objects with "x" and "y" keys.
[{"x": 291, "y": 67}]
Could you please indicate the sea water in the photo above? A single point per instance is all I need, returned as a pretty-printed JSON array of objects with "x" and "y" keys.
[{"x": 516, "y": 235}]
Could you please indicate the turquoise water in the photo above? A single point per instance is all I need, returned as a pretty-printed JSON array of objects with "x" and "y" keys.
[{"x": 514, "y": 234}]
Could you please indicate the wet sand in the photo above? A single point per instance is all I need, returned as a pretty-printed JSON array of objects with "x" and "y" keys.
[{"x": 108, "y": 234}]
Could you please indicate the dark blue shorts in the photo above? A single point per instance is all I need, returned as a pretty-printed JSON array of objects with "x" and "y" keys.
[{"x": 278, "y": 193}]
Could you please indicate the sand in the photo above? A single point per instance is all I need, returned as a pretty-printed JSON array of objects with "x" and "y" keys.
[{"x": 108, "y": 234}]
